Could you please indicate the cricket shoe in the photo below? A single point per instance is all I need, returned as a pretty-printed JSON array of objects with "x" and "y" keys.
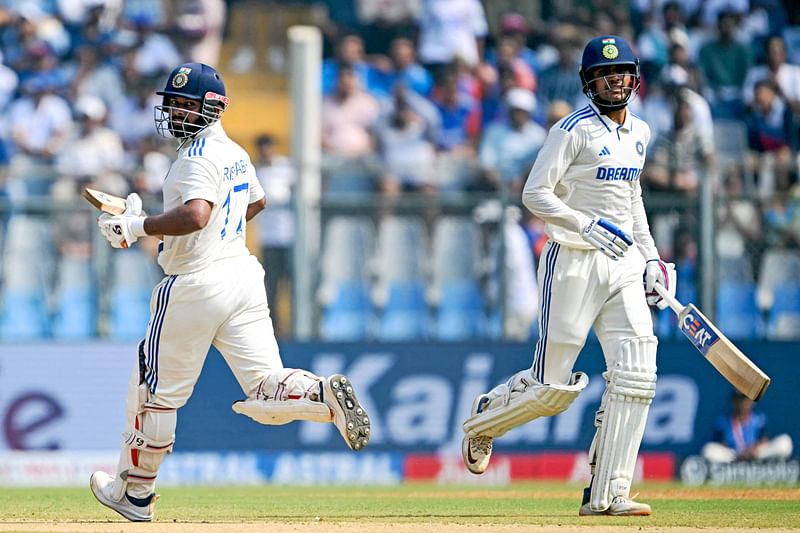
[
  {"x": 477, "y": 451},
  {"x": 134, "y": 509},
  {"x": 349, "y": 417},
  {"x": 620, "y": 506}
]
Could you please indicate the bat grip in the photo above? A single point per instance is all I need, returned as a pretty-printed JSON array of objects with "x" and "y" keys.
[{"x": 671, "y": 300}]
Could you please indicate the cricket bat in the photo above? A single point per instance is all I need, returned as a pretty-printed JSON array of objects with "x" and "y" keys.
[
  {"x": 729, "y": 361},
  {"x": 108, "y": 203}
]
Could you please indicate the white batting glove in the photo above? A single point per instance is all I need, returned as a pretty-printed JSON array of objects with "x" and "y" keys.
[
  {"x": 657, "y": 271},
  {"x": 607, "y": 237},
  {"x": 133, "y": 205},
  {"x": 125, "y": 229}
]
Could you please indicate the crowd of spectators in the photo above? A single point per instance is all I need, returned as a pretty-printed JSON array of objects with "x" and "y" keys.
[
  {"x": 469, "y": 89},
  {"x": 425, "y": 98}
]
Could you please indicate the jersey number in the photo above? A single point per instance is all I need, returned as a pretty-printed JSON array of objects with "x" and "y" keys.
[{"x": 235, "y": 209}]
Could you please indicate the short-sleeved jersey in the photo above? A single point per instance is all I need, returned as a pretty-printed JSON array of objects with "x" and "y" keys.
[
  {"x": 589, "y": 166},
  {"x": 214, "y": 168}
]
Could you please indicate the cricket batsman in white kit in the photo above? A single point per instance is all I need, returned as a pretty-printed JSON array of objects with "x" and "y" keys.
[
  {"x": 213, "y": 294},
  {"x": 585, "y": 186}
]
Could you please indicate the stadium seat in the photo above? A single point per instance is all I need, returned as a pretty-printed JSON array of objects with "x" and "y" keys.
[
  {"x": 405, "y": 315},
  {"x": 400, "y": 255},
  {"x": 456, "y": 244},
  {"x": 348, "y": 316},
  {"x": 27, "y": 266},
  {"x": 778, "y": 266},
  {"x": 25, "y": 316},
  {"x": 76, "y": 307},
  {"x": 730, "y": 141},
  {"x": 460, "y": 314},
  {"x": 737, "y": 313},
  {"x": 133, "y": 276},
  {"x": 783, "y": 322},
  {"x": 76, "y": 316},
  {"x": 129, "y": 313},
  {"x": 734, "y": 269},
  {"x": 347, "y": 246}
]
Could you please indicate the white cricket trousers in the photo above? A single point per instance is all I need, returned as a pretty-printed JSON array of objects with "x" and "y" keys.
[
  {"x": 224, "y": 305},
  {"x": 581, "y": 289}
]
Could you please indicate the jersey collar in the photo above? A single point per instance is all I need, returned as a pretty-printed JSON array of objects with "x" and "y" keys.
[{"x": 610, "y": 124}]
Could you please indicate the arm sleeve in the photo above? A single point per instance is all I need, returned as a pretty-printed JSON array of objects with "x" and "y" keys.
[
  {"x": 560, "y": 148},
  {"x": 199, "y": 180}
]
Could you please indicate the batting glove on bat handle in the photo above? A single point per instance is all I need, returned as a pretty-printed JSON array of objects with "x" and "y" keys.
[
  {"x": 121, "y": 230},
  {"x": 607, "y": 237},
  {"x": 657, "y": 271}
]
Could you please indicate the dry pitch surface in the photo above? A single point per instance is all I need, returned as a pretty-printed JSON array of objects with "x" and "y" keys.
[{"x": 404, "y": 509}]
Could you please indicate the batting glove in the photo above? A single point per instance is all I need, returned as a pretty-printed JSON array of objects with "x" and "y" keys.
[
  {"x": 125, "y": 229},
  {"x": 657, "y": 271},
  {"x": 607, "y": 237}
]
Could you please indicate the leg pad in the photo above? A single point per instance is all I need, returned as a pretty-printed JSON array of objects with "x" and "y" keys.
[{"x": 520, "y": 400}]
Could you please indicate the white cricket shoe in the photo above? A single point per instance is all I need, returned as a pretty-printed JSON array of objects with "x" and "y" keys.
[
  {"x": 349, "y": 417},
  {"x": 477, "y": 451},
  {"x": 102, "y": 485},
  {"x": 620, "y": 506}
]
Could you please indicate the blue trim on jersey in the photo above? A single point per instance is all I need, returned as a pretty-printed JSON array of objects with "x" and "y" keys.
[
  {"x": 576, "y": 117},
  {"x": 577, "y": 111},
  {"x": 544, "y": 316},
  {"x": 196, "y": 148},
  {"x": 154, "y": 339},
  {"x": 241, "y": 187}
]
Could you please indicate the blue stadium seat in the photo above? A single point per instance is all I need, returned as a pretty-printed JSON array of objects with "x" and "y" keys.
[
  {"x": 25, "y": 316},
  {"x": 76, "y": 317},
  {"x": 783, "y": 322},
  {"x": 461, "y": 313},
  {"x": 76, "y": 312},
  {"x": 129, "y": 309},
  {"x": 405, "y": 315},
  {"x": 737, "y": 313},
  {"x": 347, "y": 317}
]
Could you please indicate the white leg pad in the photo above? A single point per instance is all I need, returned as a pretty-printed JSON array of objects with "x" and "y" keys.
[
  {"x": 144, "y": 447},
  {"x": 520, "y": 400},
  {"x": 630, "y": 391},
  {"x": 285, "y": 396},
  {"x": 277, "y": 413},
  {"x": 149, "y": 437}
]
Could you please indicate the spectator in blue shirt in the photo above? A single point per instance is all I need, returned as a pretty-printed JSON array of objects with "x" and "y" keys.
[{"x": 742, "y": 436}]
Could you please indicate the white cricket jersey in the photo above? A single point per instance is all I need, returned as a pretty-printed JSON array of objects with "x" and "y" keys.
[
  {"x": 589, "y": 166},
  {"x": 212, "y": 167}
]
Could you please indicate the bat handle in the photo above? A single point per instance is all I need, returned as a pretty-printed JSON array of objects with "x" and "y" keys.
[{"x": 671, "y": 300}]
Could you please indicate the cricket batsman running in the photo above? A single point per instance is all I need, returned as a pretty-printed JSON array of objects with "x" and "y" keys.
[
  {"x": 585, "y": 186},
  {"x": 213, "y": 294}
]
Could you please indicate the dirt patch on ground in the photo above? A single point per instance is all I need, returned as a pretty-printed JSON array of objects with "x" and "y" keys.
[{"x": 342, "y": 527}]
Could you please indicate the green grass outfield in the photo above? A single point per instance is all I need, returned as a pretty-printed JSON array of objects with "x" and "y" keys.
[{"x": 398, "y": 508}]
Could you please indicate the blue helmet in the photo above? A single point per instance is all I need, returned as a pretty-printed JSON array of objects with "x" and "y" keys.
[
  {"x": 195, "y": 81},
  {"x": 607, "y": 51}
]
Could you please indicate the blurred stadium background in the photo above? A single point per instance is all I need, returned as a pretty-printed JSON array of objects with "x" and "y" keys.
[{"x": 396, "y": 246}]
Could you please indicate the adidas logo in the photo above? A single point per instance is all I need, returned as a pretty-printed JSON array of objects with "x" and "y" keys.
[{"x": 605, "y": 151}]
